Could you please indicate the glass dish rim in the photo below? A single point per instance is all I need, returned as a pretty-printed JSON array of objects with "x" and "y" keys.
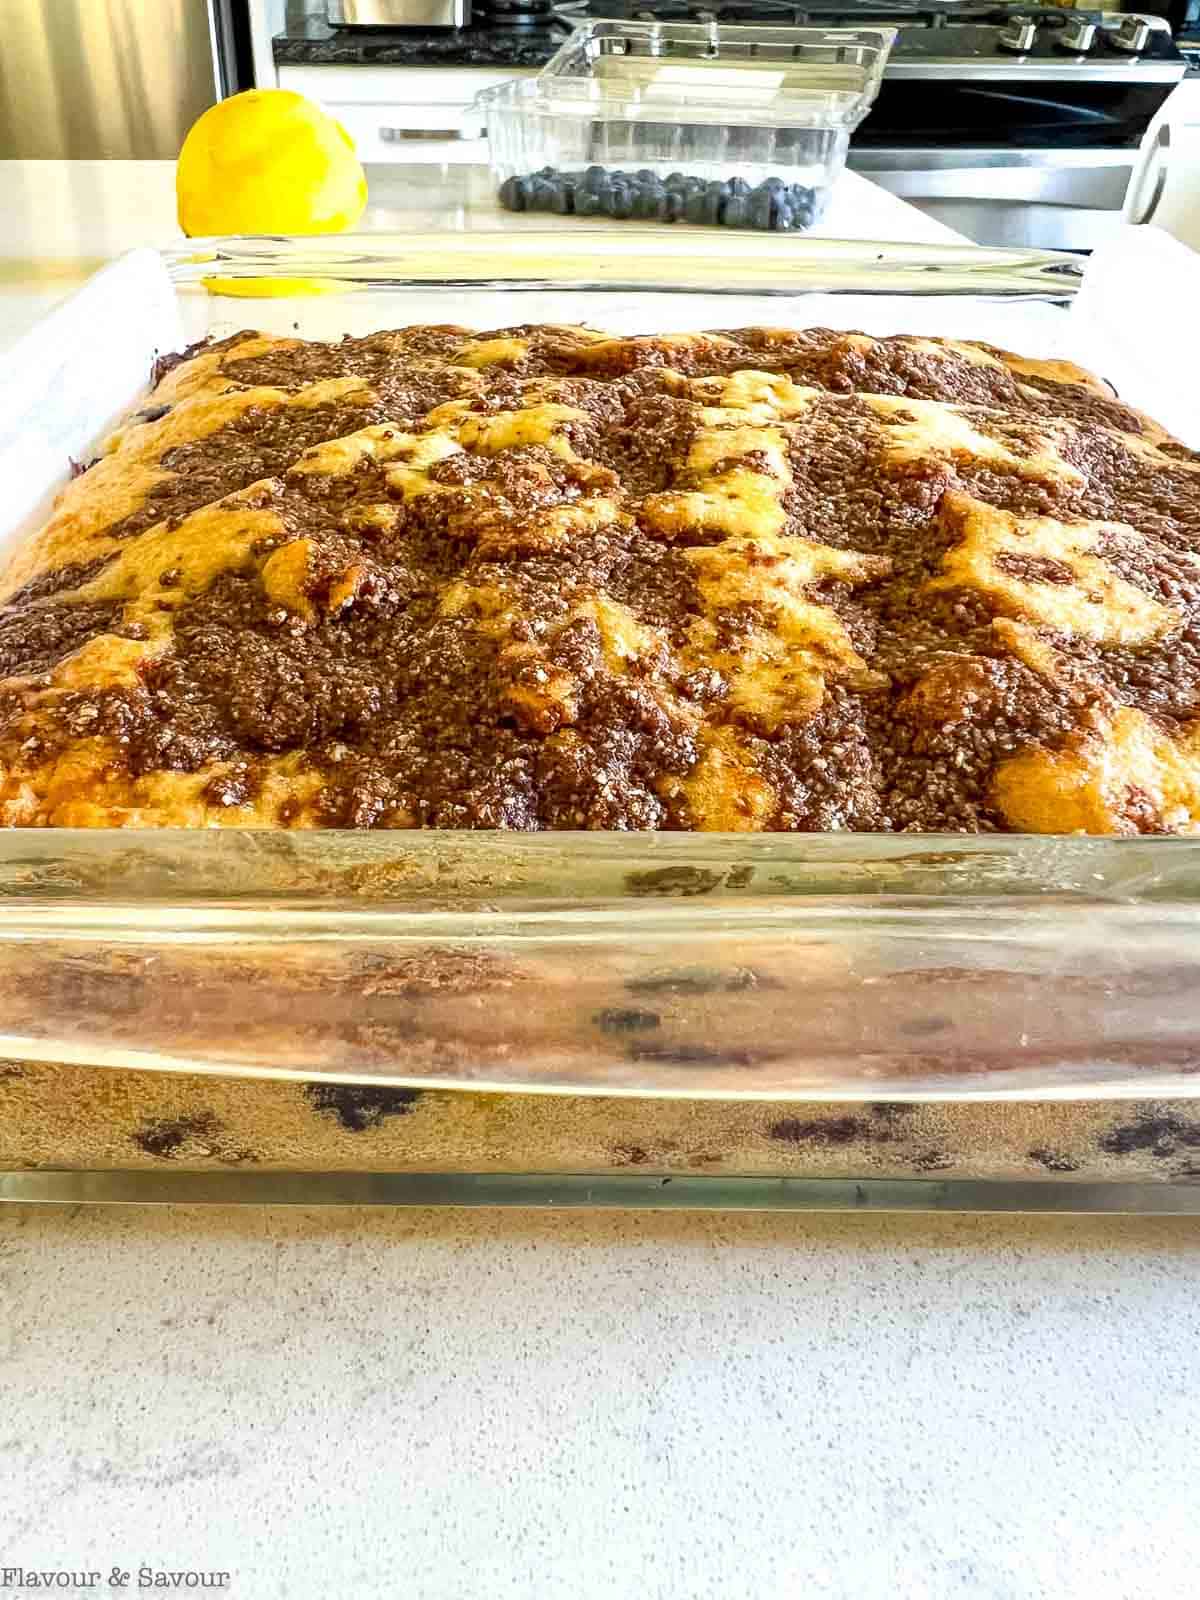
[
  {"x": 627, "y": 1191},
  {"x": 645, "y": 260}
]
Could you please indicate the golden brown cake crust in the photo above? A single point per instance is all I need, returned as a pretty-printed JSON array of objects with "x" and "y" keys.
[{"x": 548, "y": 578}]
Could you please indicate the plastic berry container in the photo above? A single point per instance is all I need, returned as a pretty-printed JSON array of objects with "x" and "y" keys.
[{"x": 744, "y": 127}]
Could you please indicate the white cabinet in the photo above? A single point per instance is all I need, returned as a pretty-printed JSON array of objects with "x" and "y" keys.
[{"x": 404, "y": 114}]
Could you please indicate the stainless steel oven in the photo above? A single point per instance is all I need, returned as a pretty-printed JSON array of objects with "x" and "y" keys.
[
  {"x": 120, "y": 79},
  {"x": 1018, "y": 125},
  {"x": 1061, "y": 199},
  {"x": 1045, "y": 130}
]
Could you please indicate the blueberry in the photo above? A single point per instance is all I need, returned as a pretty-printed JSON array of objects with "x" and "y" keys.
[
  {"x": 760, "y": 208},
  {"x": 737, "y": 211},
  {"x": 739, "y": 187},
  {"x": 541, "y": 194},
  {"x": 713, "y": 200},
  {"x": 512, "y": 194},
  {"x": 693, "y": 207}
]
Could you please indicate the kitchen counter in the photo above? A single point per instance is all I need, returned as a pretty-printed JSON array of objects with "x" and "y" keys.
[
  {"x": 438, "y": 1405},
  {"x": 442, "y": 1404}
]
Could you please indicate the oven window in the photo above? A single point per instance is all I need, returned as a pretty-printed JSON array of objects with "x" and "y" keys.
[{"x": 925, "y": 111}]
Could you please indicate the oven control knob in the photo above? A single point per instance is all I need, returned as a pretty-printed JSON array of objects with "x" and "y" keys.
[
  {"x": 1018, "y": 34},
  {"x": 1077, "y": 37},
  {"x": 1133, "y": 35}
]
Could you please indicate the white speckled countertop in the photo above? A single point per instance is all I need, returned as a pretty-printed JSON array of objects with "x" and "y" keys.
[
  {"x": 438, "y": 1405},
  {"x": 445, "y": 1404}
]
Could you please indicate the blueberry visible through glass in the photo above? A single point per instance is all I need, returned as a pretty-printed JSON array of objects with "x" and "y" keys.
[
  {"x": 622, "y": 200},
  {"x": 645, "y": 196},
  {"x": 761, "y": 208}
]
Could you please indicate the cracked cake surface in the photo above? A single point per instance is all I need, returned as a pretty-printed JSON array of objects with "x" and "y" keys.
[{"x": 550, "y": 578}]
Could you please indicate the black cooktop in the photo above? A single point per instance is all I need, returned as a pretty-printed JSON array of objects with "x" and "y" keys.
[
  {"x": 513, "y": 33},
  {"x": 488, "y": 42}
]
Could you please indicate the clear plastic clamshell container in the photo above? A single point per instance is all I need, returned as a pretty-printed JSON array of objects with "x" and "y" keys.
[
  {"x": 733, "y": 969},
  {"x": 743, "y": 127}
]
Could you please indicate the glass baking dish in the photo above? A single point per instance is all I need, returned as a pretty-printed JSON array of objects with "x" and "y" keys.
[
  {"x": 745, "y": 127},
  {"x": 737, "y": 968}
]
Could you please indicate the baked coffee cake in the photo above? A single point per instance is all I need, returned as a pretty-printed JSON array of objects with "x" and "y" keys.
[{"x": 546, "y": 578}]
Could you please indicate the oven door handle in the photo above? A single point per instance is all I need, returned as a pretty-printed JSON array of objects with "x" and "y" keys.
[
  {"x": 417, "y": 135},
  {"x": 1151, "y": 175}
]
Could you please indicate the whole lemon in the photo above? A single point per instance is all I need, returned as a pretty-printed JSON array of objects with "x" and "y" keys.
[{"x": 268, "y": 161}]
